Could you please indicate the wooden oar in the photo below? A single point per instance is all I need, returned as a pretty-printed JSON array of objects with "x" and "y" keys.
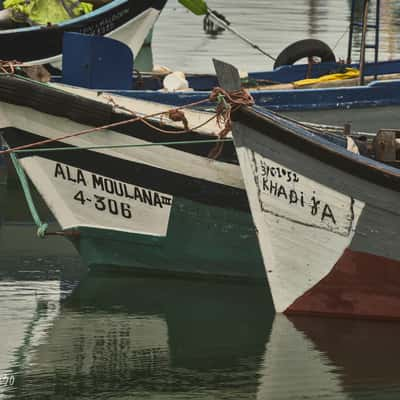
[{"x": 200, "y": 7}]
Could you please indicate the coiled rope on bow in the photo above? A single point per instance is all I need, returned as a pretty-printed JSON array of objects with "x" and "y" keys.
[{"x": 227, "y": 103}]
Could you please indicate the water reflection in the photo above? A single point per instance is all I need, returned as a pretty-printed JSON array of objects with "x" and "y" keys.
[
  {"x": 120, "y": 337},
  {"x": 316, "y": 13},
  {"x": 270, "y": 24},
  {"x": 116, "y": 337},
  {"x": 363, "y": 355},
  {"x": 390, "y": 13},
  {"x": 22, "y": 254},
  {"x": 331, "y": 358},
  {"x": 128, "y": 337}
]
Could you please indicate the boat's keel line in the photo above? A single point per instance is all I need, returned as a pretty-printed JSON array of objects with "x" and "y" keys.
[{"x": 360, "y": 284}]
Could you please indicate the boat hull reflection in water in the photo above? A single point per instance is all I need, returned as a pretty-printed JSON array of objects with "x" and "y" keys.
[
  {"x": 333, "y": 358},
  {"x": 25, "y": 256},
  {"x": 134, "y": 336},
  {"x": 130, "y": 337}
]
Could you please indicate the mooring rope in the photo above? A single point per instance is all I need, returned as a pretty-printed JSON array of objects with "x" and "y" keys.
[
  {"x": 41, "y": 226},
  {"x": 121, "y": 146},
  {"x": 9, "y": 67},
  {"x": 227, "y": 102}
]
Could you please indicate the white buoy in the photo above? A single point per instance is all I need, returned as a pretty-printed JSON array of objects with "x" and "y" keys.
[{"x": 175, "y": 81}]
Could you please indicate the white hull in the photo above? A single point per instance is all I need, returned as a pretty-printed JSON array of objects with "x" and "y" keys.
[
  {"x": 328, "y": 237},
  {"x": 79, "y": 198},
  {"x": 133, "y": 33}
]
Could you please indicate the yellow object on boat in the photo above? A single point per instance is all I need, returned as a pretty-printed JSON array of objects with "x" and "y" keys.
[
  {"x": 43, "y": 12},
  {"x": 348, "y": 74}
]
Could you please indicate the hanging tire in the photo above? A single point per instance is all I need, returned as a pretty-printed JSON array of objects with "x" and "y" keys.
[{"x": 305, "y": 48}]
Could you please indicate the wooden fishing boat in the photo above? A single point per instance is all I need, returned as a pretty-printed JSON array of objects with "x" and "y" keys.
[
  {"x": 328, "y": 220},
  {"x": 282, "y": 78},
  {"x": 340, "y": 102},
  {"x": 129, "y": 195},
  {"x": 286, "y": 89},
  {"x": 335, "y": 102},
  {"x": 365, "y": 108},
  {"x": 125, "y": 20}
]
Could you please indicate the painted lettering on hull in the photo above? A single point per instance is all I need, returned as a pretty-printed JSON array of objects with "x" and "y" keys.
[
  {"x": 91, "y": 199},
  {"x": 289, "y": 195},
  {"x": 106, "y": 24}
]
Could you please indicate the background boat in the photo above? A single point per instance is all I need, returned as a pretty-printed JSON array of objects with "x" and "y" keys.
[
  {"x": 334, "y": 102},
  {"x": 125, "y": 20}
]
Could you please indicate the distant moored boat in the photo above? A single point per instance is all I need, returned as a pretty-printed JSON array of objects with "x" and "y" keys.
[{"x": 129, "y": 21}]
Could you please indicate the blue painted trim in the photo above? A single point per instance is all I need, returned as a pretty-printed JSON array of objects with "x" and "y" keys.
[
  {"x": 376, "y": 94},
  {"x": 291, "y": 73}
]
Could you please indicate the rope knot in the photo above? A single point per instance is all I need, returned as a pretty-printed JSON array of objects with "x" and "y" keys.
[
  {"x": 41, "y": 231},
  {"x": 9, "y": 67},
  {"x": 178, "y": 115},
  {"x": 227, "y": 102},
  {"x": 235, "y": 98}
]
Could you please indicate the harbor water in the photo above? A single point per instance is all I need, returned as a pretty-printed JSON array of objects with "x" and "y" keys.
[{"x": 69, "y": 334}]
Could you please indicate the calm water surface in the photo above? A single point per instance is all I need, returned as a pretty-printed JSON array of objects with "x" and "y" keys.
[
  {"x": 65, "y": 334},
  {"x": 179, "y": 41}
]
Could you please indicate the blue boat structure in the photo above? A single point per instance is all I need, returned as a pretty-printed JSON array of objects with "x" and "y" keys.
[
  {"x": 327, "y": 101},
  {"x": 327, "y": 217},
  {"x": 340, "y": 102},
  {"x": 334, "y": 106},
  {"x": 305, "y": 92},
  {"x": 128, "y": 21}
]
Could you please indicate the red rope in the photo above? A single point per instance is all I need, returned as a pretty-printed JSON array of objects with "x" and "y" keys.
[
  {"x": 232, "y": 101},
  {"x": 8, "y": 67}
]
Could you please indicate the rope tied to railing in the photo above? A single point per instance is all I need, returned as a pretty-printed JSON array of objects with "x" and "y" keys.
[
  {"x": 227, "y": 103},
  {"x": 41, "y": 226}
]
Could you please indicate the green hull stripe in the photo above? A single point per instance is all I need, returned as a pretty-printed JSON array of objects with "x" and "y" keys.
[{"x": 200, "y": 240}]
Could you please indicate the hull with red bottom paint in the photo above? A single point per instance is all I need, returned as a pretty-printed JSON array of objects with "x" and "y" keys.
[{"x": 328, "y": 220}]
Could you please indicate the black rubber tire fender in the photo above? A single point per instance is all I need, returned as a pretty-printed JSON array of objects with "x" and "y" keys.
[{"x": 305, "y": 48}]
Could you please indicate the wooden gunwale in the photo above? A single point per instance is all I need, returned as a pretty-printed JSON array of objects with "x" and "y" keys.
[{"x": 317, "y": 147}]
